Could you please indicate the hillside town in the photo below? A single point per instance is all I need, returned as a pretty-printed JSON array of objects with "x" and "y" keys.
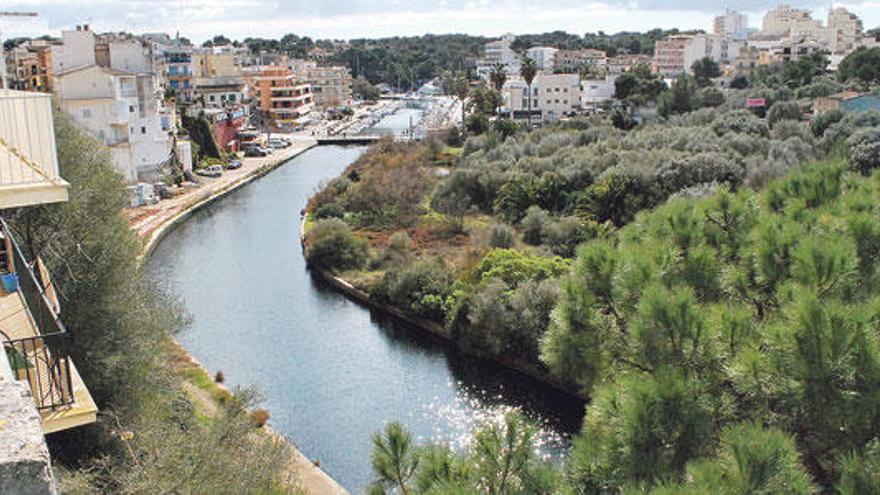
[{"x": 129, "y": 90}]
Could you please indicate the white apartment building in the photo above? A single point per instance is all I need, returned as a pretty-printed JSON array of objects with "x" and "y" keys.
[
  {"x": 498, "y": 52},
  {"x": 543, "y": 57},
  {"x": 331, "y": 86},
  {"x": 676, "y": 54},
  {"x": 597, "y": 91},
  {"x": 844, "y": 31},
  {"x": 110, "y": 90},
  {"x": 785, "y": 20},
  {"x": 553, "y": 95},
  {"x": 732, "y": 25}
]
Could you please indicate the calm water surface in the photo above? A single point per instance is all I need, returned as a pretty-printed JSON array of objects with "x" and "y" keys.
[{"x": 329, "y": 371}]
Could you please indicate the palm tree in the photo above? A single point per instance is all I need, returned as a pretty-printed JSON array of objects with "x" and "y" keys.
[
  {"x": 498, "y": 77},
  {"x": 462, "y": 88},
  {"x": 528, "y": 70}
]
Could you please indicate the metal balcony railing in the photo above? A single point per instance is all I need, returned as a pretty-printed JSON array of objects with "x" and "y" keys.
[{"x": 41, "y": 359}]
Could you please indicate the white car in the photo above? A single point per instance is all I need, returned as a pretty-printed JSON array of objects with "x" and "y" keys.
[{"x": 212, "y": 171}]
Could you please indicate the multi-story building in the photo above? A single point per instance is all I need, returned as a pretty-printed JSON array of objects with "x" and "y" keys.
[
  {"x": 543, "y": 57},
  {"x": 282, "y": 100},
  {"x": 732, "y": 25},
  {"x": 844, "y": 31},
  {"x": 29, "y": 66},
  {"x": 110, "y": 90},
  {"x": 670, "y": 54},
  {"x": 218, "y": 80},
  {"x": 676, "y": 54},
  {"x": 574, "y": 61},
  {"x": 41, "y": 391},
  {"x": 787, "y": 21},
  {"x": 498, "y": 52},
  {"x": 553, "y": 96},
  {"x": 622, "y": 63},
  {"x": 597, "y": 91},
  {"x": 331, "y": 86},
  {"x": 179, "y": 70}
]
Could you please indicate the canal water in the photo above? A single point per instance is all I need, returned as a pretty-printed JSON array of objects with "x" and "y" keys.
[{"x": 329, "y": 371}]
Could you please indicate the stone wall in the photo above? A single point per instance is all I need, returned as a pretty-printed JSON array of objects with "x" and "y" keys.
[{"x": 25, "y": 467}]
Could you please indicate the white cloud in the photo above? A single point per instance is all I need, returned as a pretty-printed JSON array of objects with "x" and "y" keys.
[{"x": 201, "y": 19}]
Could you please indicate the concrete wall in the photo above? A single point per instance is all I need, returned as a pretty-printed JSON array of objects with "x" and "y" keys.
[{"x": 25, "y": 466}]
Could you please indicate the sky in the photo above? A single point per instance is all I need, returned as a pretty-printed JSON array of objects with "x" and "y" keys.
[{"x": 337, "y": 19}]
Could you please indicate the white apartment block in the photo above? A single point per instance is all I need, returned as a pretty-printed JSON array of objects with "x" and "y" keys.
[
  {"x": 543, "y": 57},
  {"x": 111, "y": 91},
  {"x": 676, "y": 54},
  {"x": 785, "y": 20},
  {"x": 553, "y": 95},
  {"x": 844, "y": 31},
  {"x": 331, "y": 86},
  {"x": 498, "y": 52},
  {"x": 597, "y": 91},
  {"x": 732, "y": 25}
]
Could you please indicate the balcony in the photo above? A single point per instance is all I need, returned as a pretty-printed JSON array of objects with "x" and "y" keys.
[
  {"x": 36, "y": 342},
  {"x": 28, "y": 161}
]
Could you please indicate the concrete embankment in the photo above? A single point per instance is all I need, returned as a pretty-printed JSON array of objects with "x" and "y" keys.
[{"x": 311, "y": 478}]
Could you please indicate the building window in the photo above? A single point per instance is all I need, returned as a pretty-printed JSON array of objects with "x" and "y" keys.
[
  {"x": 131, "y": 109},
  {"x": 87, "y": 113},
  {"x": 211, "y": 98},
  {"x": 143, "y": 130}
]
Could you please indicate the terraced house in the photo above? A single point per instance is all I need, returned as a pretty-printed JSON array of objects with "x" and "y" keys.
[{"x": 41, "y": 391}]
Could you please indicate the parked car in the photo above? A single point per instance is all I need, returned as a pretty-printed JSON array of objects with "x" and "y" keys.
[
  {"x": 233, "y": 164},
  {"x": 212, "y": 171},
  {"x": 278, "y": 143},
  {"x": 162, "y": 190},
  {"x": 255, "y": 150}
]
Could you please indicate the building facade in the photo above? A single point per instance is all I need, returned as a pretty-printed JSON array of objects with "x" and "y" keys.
[
  {"x": 844, "y": 31},
  {"x": 29, "y": 67},
  {"x": 331, "y": 86},
  {"x": 498, "y": 52},
  {"x": 283, "y": 100},
  {"x": 574, "y": 61},
  {"x": 732, "y": 25},
  {"x": 543, "y": 57},
  {"x": 110, "y": 89}
]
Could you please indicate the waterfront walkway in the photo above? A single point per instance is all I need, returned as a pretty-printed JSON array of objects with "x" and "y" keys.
[
  {"x": 150, "y": 223},
  {"x": 146, "y": 220}
]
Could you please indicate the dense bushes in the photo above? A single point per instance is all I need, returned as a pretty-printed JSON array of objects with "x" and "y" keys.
[
  {"x": 421, "y": 287},
  {"x": 331, "y": 245},
  {"x": 384, "y": 188}
]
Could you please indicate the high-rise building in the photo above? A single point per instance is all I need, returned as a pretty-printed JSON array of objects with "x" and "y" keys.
[
  {"x": 498, "y": 52},
  {"x": 844, "y": 31},
  {"x": 732, "y": 25}
]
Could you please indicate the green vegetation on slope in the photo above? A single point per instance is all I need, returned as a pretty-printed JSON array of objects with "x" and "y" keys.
[{"x": 150, "y": 436}]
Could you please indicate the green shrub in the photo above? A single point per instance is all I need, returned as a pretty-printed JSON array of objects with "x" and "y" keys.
[
  {"x": 421, "y": 286},
  {"x": 501, "y": 236},
  {"x": 513, "y": 267},
  {"x": 331, "y": 245}
]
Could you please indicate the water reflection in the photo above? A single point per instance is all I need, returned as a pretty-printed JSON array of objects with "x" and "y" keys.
[{"x": 330, "y": 371}]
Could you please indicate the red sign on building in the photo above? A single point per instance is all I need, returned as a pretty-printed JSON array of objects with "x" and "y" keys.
[{"x": 756, "y": 102}]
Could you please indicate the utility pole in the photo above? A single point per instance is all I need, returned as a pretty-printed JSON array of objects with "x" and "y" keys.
[{"x": 3, "y": 81}]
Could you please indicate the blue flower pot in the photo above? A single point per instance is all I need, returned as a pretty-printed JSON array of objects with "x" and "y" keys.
[{"x": 10, "y": 282}]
